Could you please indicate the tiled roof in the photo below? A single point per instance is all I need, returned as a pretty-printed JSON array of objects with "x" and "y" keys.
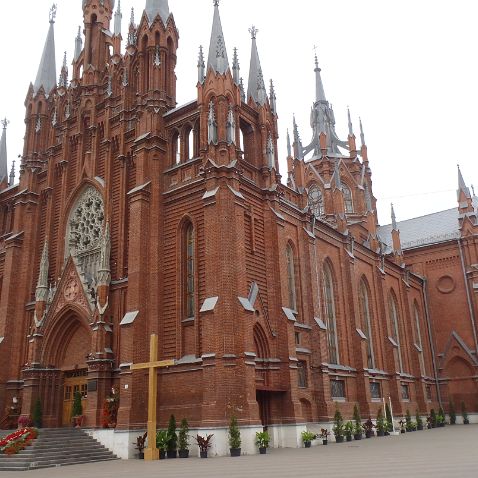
[{"x": 425, "y": 230}]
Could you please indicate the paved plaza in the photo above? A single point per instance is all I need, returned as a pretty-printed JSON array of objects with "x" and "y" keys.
[{"x": 445, "y": 452}]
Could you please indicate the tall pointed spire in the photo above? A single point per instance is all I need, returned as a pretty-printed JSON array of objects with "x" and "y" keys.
[
  {"x": 118, "y": 19},
  {"x": 201, "y": 66},
  {"x": 394, "y": 220},
  {"x": 351, "y": 128},
  {"x": 46, "y": 75},
  {"x": 289, "y": 148},
  {"x": 63, "y": 80},
  {"x": 236, "y": 70},
  {"x": 217, "y": 59},
  {"x": 157, "y": 7},
  {"x": 3, "y": 153},
  {"x": 319, "y": 86},
  {"x": 462, "y": 185},
  {"x": 42, "y": 284},
  {"x": 78, "y": 45},
  {"x": 256, "y": 89},
  {"x": 362, "y": 134}
]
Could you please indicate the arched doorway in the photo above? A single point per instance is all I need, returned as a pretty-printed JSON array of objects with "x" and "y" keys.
[{"x": 263, "y": 395}]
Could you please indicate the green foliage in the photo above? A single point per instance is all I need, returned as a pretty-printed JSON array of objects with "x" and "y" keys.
[
  {"x": 172, "y": 436},
  {"x": 349, "y": 429},
  {"x": 162, "y": 440},
  {"x": 452, "y": 413},
  {"x": 408, "y": 420},
  {"x": 77, "y": 409},
  {"x": 37, "y": 414},
  {"x": 382, "y": 424},
  {"x": 338, "y": 428},
  {"x": 234, "y": 434},
  {"x": 419, "y": 419},
  {"x": 441, "y": 417},
  {"x": 464, "y": 413},
  {"x": 308, "y": 436},
  {"x": 358, "y": 421},
  {"x": 388, "y": 414},
  {"x": 433, "y": 417},
  {"x": 183, "y": 435},
  {"x": 262, "y": 439}
]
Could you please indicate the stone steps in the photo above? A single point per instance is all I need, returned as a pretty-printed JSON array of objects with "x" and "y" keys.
[{"x": 57, "y": 447}]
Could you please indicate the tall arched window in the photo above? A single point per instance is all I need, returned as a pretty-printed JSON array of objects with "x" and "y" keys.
[
  {"x": 189, "y": 283},
  {"x": 418, "y": 337},
  {"x": 291, "y": 278},
  {"x": 176, "y": 148},
  {"x": 394, "y": 318},
  {"x": 366, "y": 321},
  {"x": 330, "y": 315},
  {"x": 348, "y": 199},
  {"x": 316, "y": 201}
]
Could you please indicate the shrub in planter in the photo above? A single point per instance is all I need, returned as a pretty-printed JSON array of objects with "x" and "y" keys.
[
  {"x": 349, "y": 430},
  {"x": 452, "y": 414},
  {"x": 140, "y": 445},
  {"x": 441, "y": 417},
  {"x": 183, "y": 439},
  {"x": 307, "y": 438},
  {"x": 358, "y": 424},
  {"x": 408, "y": 422},
  {"x": 388, "y": 415},
  {"x": 162, "y": 440},
  {"x": 368, "y": 427},
  {"x": 172, "y": 450},
  {"x": 382, "y": 424},
  {"x": 324, "y": 434},
  {"x": 262, "y": 441},
  {"x": 234, "y": 438},
  {"x": 419, "y": 420},
  {"x": 204, "y": 443},
  {"x": 464, "y": 414},
  {"x": 338, "y": 427},
  {"x": 433, "y": 418}
]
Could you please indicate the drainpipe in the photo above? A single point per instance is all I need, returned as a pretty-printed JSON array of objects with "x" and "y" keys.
[
  {"x": 430, "y": 338},
  {"x": 468, "y": 296}
]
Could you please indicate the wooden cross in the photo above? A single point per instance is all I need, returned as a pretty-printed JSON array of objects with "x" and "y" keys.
[{"x": 152, "y": 452}]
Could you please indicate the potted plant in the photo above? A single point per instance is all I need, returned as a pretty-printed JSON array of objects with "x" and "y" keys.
[
  {"x": 388, "y": 415},
  {"x": 324, "y": 433},
  {"x": 262, "y": 441},
  {"x": 140, "y": 445},
  {"x": 172, "y": 451},
  {"x": 307, "y": 438},
  {"x": 441, "y": 417},
  {"x": 464, "y": 414},
  {"x": 183, "y": 439},
  {"x": 452, "y": 413},
  {"x": 204, "y": 443},
  {"x": 433, "y": 418},
  {"x": 419, "y": 420},
  {"x": 409, "y": 425},
  {"x": 368, "y": 426},
  {"x": 162, "y": 441},
  {"x": 382, "y": 424},
  {"x": 37, "y": 414},
  {"x": 110, "y": 409},
  {"x": 338, "y": 427},
  {"x": 349, "y": 430},
  {"x": 77, "y": 411},
  {"x": 358, "y": 424},
  {"x": 234, "y": 438}
]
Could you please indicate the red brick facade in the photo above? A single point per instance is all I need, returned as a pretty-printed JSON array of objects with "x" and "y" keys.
[{"x": 266, "y": 282}]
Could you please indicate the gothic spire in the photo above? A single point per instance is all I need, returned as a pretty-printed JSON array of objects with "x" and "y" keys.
[
  {"x": 46, "y": 75},
  {"x": 319, "y": 86},
  {"x": 3, "y": 153},
  {"x": 63, "y": 81},
  {"x": 462, "y": 185},
  {"x": 12, "y": 175},
  {"x": 362, "y": 134},
  {"x": 289, "y": 148},
  {"x": 217, "y": 59},
  {"x": 157, "y": 7},
  {"x": 272, "y": 98},
  {"x": 236, "y": 70},
  {"x": 351, "y": 128},
  {"x": 201, "y": 66},
  {"x": 42, "y": 284},
  {"x": 118, "y": 18},
  {"x": 394, "y": 220},
  {"x": 78, "y": 44},
  {"x": 256, "y": 89}
]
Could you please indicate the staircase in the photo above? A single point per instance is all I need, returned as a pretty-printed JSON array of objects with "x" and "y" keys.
[{"x": 57, "y": 447}]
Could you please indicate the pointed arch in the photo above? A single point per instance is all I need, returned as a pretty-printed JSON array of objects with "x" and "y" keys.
[
  {"x": 260, "y": 342},
  {"x": 366, "y": 319},
  {"x": 330, "y": 312}
]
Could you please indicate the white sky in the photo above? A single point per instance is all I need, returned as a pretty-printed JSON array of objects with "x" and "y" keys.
[{"x": 408, "y": 68}]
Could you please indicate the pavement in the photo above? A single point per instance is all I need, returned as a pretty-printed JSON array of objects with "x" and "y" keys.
[{"x": 442, "y": 452}]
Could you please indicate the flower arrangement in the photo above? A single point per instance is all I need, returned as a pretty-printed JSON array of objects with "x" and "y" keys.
[
  {"x": 110, "y": 409},
  {"x": 15, "y": 442}
]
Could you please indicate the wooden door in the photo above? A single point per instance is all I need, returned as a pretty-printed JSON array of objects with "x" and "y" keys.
[{"x": 74, "y": 382}]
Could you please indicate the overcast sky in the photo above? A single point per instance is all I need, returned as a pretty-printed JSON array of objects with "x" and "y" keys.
[{"x": 408, "y": 68}]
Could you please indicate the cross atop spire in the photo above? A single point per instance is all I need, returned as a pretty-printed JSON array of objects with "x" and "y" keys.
[
  {"x": 217, "y": 59},
  {"x": 253, "y": 31},
  {"x": 53, "y": 13}
]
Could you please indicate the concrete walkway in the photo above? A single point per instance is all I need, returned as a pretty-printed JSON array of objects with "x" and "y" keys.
[{"x": 444, "y": 452}]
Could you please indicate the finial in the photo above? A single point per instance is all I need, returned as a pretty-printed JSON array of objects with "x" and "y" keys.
[
  {"x": 316, "y": 59},
  {"x": 236, "y": 67},
  {"x": 79, "y": 32},
  {"x": 351, "y": 129},
  {"x": 5, "y": 123},
  {"x": 131, "y": 21},
  {"x": 362, "y": 135},
  {"x": 473, "y": 189},
  {"x": 216, "y": 3},
  {"x": 64, "y": 60},
  {"x": 53, "y": 13},
  {"x": 12, "y": 174},
  {"x": 289, "y": 148},
  {"x": 253, "y": 31},
  {"x": 394, "y": 219}
]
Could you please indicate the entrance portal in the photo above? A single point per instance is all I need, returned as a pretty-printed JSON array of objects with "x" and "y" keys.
[
  {"x": 74, "y": 381},
  {"x": 264, "y": 400}
]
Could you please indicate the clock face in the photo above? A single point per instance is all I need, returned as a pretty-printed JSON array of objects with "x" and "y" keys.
[{"x": 71, "y": 290}]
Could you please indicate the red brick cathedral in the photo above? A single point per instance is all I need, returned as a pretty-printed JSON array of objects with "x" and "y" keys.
[{"x": 134, "y": 216}]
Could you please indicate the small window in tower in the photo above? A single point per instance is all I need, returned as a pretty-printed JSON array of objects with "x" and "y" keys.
[
  {"x": 348, "y": 200},
  {"x": 316, "y": 201},
  {"x": 302, "y": 374}
]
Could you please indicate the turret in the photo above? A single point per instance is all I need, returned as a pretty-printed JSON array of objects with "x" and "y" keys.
[
  {"x": 396, "y": 242},
  {"x": 3, "y": 156}
]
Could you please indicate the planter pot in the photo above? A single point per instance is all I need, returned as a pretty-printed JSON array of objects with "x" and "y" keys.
[
  {"x": 358, "y": 436},
  {"x": 349, "y": 437},
  {"x": 307, "y": 444},
  {"x": 387, "y": 434},
  {"x": 402, "y": 431},
  {"x": 141, "y": 455},
  {"x": 235, "y": 451},
  {"x": 162, "y": 454},
  {"x": 183, "y": 453},
  {"x": 466, "y": 422},
  {"x": 203, "y": 454},
  {"x": 339, "y": 439},
  {"x": 420, "y": 427},
  {"x": 380, "y": 433},
  {"x": 262, "y": 450},
  {"x": 324, "y": 442},
  {"x": 172, "y": 454},
  {"x": 368, "y": 434}
]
